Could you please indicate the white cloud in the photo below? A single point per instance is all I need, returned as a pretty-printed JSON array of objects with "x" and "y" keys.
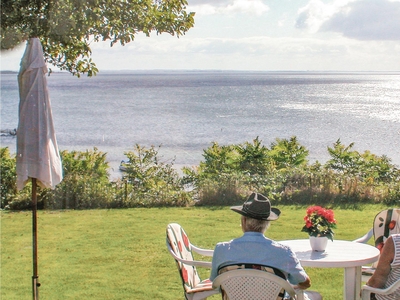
[
  {"x": 247, "y": 53},
  {"x": 367, "y": 20},
  {"x": 251, "y": 53},
  {"x": 316, "y": 12},
  {"x": 360, "y": 19},
  {"x": 211, "y": 2},
  {"x": 256, "y": 7}
]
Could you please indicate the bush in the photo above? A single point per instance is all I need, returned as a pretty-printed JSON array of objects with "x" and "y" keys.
[
  {"x": 8, "y": 177},
  {"x": 228, "y": 190},
  {"x": 85, "y": 183},
  {"x": 283, "y": 174},
  {"x": 228, "y": 174},
  {"x": 150, "y": 182}
]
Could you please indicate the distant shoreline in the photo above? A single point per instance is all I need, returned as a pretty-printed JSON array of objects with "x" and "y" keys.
[{"x": 167, "y": 71}]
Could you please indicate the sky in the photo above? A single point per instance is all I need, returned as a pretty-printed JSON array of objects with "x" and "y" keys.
[{"x": 264, "y": 35}]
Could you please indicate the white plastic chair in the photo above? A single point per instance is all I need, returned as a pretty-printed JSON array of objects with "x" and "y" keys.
[
  {"x": 251, "y": 284},
  {"x": 181, "y": 249},
  {"x": 366, "y": 290},
  {"x": 386, "y": 222}
]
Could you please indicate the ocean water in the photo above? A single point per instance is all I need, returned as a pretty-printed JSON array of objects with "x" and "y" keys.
[{"x": 185, "y": 111}]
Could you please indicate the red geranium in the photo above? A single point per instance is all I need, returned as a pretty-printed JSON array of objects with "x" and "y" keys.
[{"x": 319, "y": 221}]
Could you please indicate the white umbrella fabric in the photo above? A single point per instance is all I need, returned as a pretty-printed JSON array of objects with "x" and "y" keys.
[{"x": 38, "y": 157}]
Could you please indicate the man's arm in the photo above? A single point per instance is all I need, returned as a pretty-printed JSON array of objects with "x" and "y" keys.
[
  {"x": 382, "y": 271},
  {"x": 296, "y": 274}
]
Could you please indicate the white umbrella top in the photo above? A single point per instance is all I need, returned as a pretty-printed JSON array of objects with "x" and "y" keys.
[{"x": 37, "y": 150}]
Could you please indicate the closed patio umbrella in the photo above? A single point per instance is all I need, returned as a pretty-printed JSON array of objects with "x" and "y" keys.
[{"x": 38, "y": 158}]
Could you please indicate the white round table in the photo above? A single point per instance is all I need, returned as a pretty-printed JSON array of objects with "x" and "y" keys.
[{"x": 338, "y": 254}]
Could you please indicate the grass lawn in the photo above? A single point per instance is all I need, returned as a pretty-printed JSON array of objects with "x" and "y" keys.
[{"x": 121, "y": 254}]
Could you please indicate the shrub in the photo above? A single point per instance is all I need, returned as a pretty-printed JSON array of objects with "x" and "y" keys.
[
  {"x": 228, "y": 190},
  {"x": 253, "y": 158},
  {"x": 148, "y": 181},
  {"x": 8, "y": 177},
  {"x": 287, "y": 154},
  {"x": 228, "y": 174},
  {"x": 85, "y": 183},
  {"x": 283, "y": 174},
  {"x": 218, "y": 159}
]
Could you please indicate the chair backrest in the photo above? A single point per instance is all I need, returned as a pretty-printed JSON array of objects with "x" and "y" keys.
[
  {"x": 386, "y": 222},
  {"x": 251, "y": 284},
  {"x": 180, "y": 244}
]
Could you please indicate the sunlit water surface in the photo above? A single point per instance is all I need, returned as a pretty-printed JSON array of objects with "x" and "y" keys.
[{"x": 185, "y": 111}]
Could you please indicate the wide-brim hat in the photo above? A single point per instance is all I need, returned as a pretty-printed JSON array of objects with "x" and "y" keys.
[{"x": 257, "y": 206}]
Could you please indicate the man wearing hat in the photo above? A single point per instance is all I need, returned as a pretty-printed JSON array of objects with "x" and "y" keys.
[{"x": 254, "y": 250}]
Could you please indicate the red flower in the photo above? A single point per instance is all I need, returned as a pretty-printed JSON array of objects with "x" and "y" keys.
[
  {"x": 309, "y": 224},
  {"x": 392, "y": 225}
]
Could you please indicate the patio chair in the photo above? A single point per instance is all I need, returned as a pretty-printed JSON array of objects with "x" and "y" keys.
[
  {"x": 181, "y": 249},
  {"x": 386, "y": 222},
  {"x": 246, "y": 284},
  {"x": 366, "y": 290}
]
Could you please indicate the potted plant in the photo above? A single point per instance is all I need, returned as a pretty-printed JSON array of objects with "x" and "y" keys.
[{"x": 319, "y": 223}]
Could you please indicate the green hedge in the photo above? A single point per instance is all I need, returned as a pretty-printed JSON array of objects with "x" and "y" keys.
[{"x": 226, "y": 176}]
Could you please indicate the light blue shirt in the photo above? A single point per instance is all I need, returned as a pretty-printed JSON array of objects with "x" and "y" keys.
[{"x": 255, "y": 248}]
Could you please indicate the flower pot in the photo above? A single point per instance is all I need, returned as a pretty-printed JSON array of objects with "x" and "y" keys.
[{"x": 318, "y": 243}]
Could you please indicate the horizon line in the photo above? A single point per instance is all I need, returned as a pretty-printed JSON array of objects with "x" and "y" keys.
[{"x": 226, "y": 70}]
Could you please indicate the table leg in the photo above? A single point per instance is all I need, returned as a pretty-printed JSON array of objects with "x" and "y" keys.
[
  {"x": 358, "y": 277},
  {"x": 352, "y": 283}
]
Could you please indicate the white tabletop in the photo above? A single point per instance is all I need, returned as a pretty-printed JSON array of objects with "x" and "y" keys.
[{"x": 338, "y": 254}]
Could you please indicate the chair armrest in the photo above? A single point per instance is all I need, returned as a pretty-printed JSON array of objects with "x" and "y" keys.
[
  {"x": 367, "y": 270},
  {"x": 365, "y": 293},
  {"x": 365, "y": 238},
  {"x": 367, "y": 290},
  {"x": 197, "y": 263},
  {"x": 299, "y": 294},
  {"x": 201, "y": 251}
]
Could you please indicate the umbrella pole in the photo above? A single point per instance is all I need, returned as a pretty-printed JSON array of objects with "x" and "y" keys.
[{"x": 35, "y": 277}]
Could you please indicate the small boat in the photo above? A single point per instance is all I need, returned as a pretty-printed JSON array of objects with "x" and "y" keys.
[
  {"x": 123, "y": 165},
  {"x": 5, "y": 132}
]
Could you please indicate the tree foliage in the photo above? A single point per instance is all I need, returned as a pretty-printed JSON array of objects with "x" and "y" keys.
[
  {"x": 218, "y": 159},
  {"x": 288, "y": 153},
  {"x": 253, "y": 157},
  {"x": 150, "y": 182},
  {"x": 66, "y": 28}
]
